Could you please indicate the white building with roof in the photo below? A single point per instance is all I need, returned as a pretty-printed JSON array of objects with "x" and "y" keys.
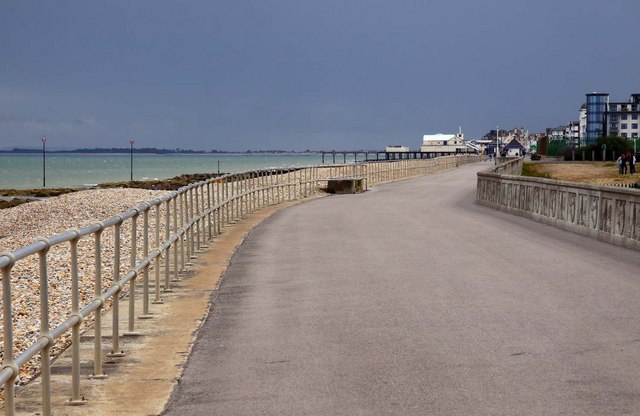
[{"x": 443, "y": 143}]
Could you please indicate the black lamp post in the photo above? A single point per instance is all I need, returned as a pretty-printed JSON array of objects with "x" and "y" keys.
[
  {"x": 131, "y": 142},
  {"x": 44, "y": 175}
]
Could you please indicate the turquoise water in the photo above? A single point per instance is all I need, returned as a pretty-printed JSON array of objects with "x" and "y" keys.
[{"x": 23, "y": 171}]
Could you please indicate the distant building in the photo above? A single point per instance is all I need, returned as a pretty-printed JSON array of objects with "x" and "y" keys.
[
  {"x": 514, "y": 148},
  {"x": 556, "y": 133},
  {"x": 443, "y": 143},
  {"x": 582, "y": 134},
  {"x": 600, "y": 117},
  {"x": 519, "y": 133},
  {"x": 396, "y": 149},
  {"x": 570, "y": 134},
  {"x": 596, "y": 116},
  {"x": 480, "y": 145},
  {"x": 622, "y": 118}
]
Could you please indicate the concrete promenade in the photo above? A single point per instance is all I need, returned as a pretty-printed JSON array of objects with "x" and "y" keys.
[{"x": 410, "y": 299}]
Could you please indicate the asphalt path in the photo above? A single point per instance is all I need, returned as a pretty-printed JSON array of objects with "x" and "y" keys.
[{"x": 410, "y": 299}]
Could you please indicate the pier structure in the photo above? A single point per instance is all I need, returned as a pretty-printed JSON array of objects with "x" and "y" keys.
[{"x": 373, "y": 155}]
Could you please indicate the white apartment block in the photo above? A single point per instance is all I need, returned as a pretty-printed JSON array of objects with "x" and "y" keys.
[{"x": 623, "y": 118}]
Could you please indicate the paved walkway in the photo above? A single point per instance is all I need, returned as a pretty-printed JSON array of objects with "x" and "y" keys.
[{"x": 410, "y": 299}]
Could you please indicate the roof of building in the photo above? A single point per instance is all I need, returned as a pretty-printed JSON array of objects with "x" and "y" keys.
[
  {"x": 437, "y": 137},
  {"x": 514, "y": 144},
  {"x": 559, "y": 128}
]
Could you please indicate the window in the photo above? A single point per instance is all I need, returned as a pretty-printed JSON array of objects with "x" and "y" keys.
[
  {"x": 634, "y": 116},
  {"x": 634, "y": 135},
  {"x": 624, "y": 135},
  {"x": 623, "y": 126},
  {"x": 624, "y": 116},
  {"x": 634, "y": 126}
]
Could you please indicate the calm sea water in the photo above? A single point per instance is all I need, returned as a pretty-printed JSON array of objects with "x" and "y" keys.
[{"x": 23, "y": 171}]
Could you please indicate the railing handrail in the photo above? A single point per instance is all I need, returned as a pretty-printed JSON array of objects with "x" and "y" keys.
[{"x": 186, "y": 220}]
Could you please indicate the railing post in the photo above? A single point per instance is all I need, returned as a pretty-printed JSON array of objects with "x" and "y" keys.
[
  {"x": 255, "y": 194},
  {"x": 202, "y": 236},
  {"x": 276, "y": 189},
  {"x": 115, "y": 306},
  {"x": 225, "y": 194},
  {"x": 231, "y": 190},
  {"x": 241, "y": 200},
  {"x": 196, "y": 216},
  {"x": 167, "y": 231},
  {"x": 248, "y": 194},
  {"x": 76, "y": 399},
  {"x": 236, "y": 197},
  {"x": 45, "y": 355},
  {"x": 263, "y": 186},
  {"x": 132, "y": 283},
  {"x": 176, "y": 269},
  {"x": 236, "y": 201},
  {"x": 157, "y": 299},
  {"x": 182, "y": 240},
  {"x": 209, "y": 209},
  {"x": 243, "y": 191},
  {"x": 270, "y": 192},
  {"x": 191, "y": 225},
  {"x": 186, "y": 227},
  {"x": 216, "y": 202},
  {"x": 8, "y": 360},
  {"x": 97, "y": 323},
  {"x": 199, "y": 213},
  {"x": 145, "y": 272}
]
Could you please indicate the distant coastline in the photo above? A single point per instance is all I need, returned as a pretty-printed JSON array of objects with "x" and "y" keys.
[{"x": 153, "y": 150}]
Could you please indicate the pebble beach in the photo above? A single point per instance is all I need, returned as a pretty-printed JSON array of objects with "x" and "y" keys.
[{"x": 24, "y": 224}]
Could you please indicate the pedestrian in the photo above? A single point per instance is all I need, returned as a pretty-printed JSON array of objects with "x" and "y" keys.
[
  {"x": 632, "y": 163},
  {"x": 625, "y": 159},
  {"x": 620, "y": 162}
]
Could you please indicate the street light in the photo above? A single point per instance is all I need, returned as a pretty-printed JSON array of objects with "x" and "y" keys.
[
  {"x": 131, "y": 142},
  {"x": 44, "y": 175},
  {"x": 497, "y": 144}
]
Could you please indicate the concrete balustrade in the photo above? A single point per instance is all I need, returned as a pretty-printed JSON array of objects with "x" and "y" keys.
[{"x": 605, "y": 213}]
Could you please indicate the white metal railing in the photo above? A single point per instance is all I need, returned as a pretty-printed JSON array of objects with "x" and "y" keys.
[{"x": 161, "y": 235}]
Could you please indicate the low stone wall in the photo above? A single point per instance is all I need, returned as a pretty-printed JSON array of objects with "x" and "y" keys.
[
  {"x": 508, "y": 166},
  {"x": 601, "y": 212}
]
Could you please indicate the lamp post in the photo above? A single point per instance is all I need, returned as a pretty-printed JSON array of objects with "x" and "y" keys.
[
  {"x": 497, "y": 144},
  {"x": 131, "y": 142},
  {"x": 44, "y": 151}
]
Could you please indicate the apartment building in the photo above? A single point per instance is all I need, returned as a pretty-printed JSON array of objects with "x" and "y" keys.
[
  {"x": 622, "y": 118},
  {"x": 569, "y": 132},
  {"x": 601, "y": 117}
]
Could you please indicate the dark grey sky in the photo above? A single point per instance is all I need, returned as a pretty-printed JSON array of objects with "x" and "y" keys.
[{"x": 296, "y": 75}]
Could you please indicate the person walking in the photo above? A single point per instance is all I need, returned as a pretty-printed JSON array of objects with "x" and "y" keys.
[
  {"x": 632, "y": 163},
  {"x": 620, "y": 162}
]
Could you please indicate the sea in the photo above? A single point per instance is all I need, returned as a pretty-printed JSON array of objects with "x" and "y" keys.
[{"x": 77, "y": 170}]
